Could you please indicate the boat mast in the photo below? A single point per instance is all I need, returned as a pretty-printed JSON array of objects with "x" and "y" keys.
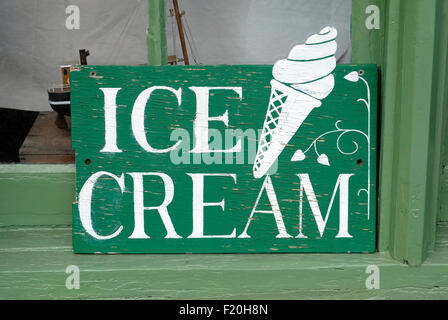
[{"x": 181, "y": 32}]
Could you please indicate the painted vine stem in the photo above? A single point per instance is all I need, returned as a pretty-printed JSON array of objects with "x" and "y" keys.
[{"x": 300, "y": 155}]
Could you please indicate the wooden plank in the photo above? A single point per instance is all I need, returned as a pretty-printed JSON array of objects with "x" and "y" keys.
[
  {"x": 36, "y": 194},
  {"x": 46, "y": 143},
  {"x": 249, "y": 212},
  {"x": 34, "y": 261}
]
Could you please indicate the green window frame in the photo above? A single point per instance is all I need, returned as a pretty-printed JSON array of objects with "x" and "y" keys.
[{"x": 410, "y": 49}]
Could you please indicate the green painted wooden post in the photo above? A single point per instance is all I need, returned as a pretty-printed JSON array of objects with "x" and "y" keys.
[
  {"x": 444, "y": 183},
  {"x": 410, "y": 49},
  {"x": 156, "y": 38},
  {"x": 442, "y": 102},
  {"x": 367, "y": 44}
]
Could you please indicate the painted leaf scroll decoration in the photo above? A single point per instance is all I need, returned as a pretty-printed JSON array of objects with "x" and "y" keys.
[
  {"x": 323, "y": 159},
  {"x": 352, "y": 76},
  {"x": 298, "y": 156}
]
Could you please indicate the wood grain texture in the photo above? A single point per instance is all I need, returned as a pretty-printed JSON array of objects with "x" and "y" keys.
[
  {"x": 46, "y": 143},
  {"x": 112, "y": 208},
  {"x": 36, "y": 194},
  {"x": 33, "y": 261}
]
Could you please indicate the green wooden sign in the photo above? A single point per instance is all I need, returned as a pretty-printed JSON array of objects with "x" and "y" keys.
[
  {"x": 260, "y": 158},
  {"x": 180, "y": 159}
]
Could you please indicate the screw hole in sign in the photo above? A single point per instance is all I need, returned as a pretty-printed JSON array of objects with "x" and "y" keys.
[
  {"x": 359, "y": 162},
  {"x": 92, "y": 73},
  {"x": 361, "y": 72},
  {"x": 87, "y": 161}
]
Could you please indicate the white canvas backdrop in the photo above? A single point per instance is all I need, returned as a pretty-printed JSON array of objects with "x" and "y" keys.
[
  {"x": 34, "y": 40},
  {"x": 258, "y": 31}
]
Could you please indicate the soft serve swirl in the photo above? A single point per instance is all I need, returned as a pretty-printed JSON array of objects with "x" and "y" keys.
[{"x": 309, "y": 66}]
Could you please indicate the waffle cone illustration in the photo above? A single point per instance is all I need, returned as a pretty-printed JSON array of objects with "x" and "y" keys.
[{"x": 300, "y": 83}]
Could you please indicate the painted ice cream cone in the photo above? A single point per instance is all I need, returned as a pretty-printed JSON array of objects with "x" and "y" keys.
[{"x": 300, "y": 83}]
